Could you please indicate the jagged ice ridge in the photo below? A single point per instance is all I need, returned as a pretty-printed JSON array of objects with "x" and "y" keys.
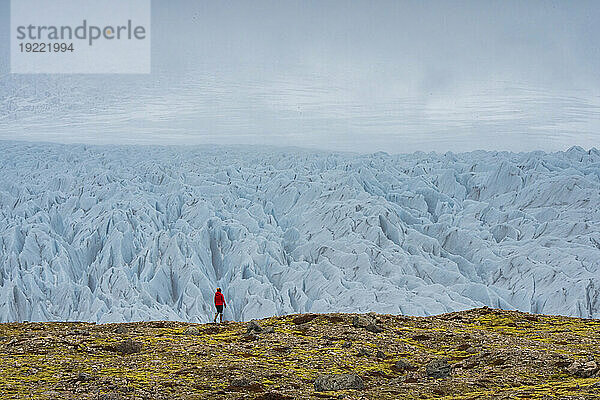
[{"x": 127, "y": 233}]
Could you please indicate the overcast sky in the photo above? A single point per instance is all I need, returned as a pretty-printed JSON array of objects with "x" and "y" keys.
[{"x": 396, "y": 76}]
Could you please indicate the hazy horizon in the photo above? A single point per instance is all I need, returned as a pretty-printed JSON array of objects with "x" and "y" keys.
[{"x": 344, "y": 76}]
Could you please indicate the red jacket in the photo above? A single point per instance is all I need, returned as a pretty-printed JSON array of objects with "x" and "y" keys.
[{"x": 219, "y": 299}]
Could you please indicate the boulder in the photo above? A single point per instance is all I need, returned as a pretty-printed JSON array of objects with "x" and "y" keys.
[
  {"x": 191, "y": 331},
  {"x": 363, "y": 353},
  {"x": 374, "y": 328},
  {"x": 338, "y": 382},
  {"x": 583, "y": 369},
  {"x": 268, "y": 329},
  {"x": 402, "y": 366},
  {"x": 253, "y": 326},
  {"x": 438, "y": 369},
  {"x": 361, "y": 321},
  {"x": 121, "y": 329},
  {"x": 366, "y": 322},
  {"x": 374, "y": 317},
  {"x": 128, "y": 347},
  {"x": 83, "y": 377},
  {"x": 240, "y": 382}
]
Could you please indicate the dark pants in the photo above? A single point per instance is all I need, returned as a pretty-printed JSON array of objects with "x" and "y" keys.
[{"x": 219, "y": 308}]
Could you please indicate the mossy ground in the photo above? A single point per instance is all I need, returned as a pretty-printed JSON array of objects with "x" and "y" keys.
[{"x": 494, "y": 354}]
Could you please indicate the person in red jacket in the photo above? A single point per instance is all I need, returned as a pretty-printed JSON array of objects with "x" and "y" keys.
[{"x": 219, "y": 303}]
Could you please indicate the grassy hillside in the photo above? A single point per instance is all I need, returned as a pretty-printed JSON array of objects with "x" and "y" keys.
[{"x": 480, "y": 353}]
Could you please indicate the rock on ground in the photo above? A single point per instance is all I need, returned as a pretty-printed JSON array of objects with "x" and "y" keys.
[{"x": 338, "y": 382}]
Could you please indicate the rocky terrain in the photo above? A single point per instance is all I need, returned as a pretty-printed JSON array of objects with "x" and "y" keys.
[{"x": 476, "y": 354}]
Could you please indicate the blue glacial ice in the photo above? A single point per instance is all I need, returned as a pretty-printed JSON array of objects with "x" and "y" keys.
[{"x": 128, "y": 233}]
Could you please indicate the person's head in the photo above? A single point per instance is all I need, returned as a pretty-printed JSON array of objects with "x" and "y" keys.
[{"x": 219, "y": 289}]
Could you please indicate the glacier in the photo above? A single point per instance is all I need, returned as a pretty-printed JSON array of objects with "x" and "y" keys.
[{"x": 120, "y": 233}]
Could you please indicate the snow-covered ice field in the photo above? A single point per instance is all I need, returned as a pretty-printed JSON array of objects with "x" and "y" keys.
[{"x": 125, "y": 233}]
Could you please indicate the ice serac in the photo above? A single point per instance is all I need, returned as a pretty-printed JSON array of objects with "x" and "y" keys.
[{"x": 125, "y": 233}]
